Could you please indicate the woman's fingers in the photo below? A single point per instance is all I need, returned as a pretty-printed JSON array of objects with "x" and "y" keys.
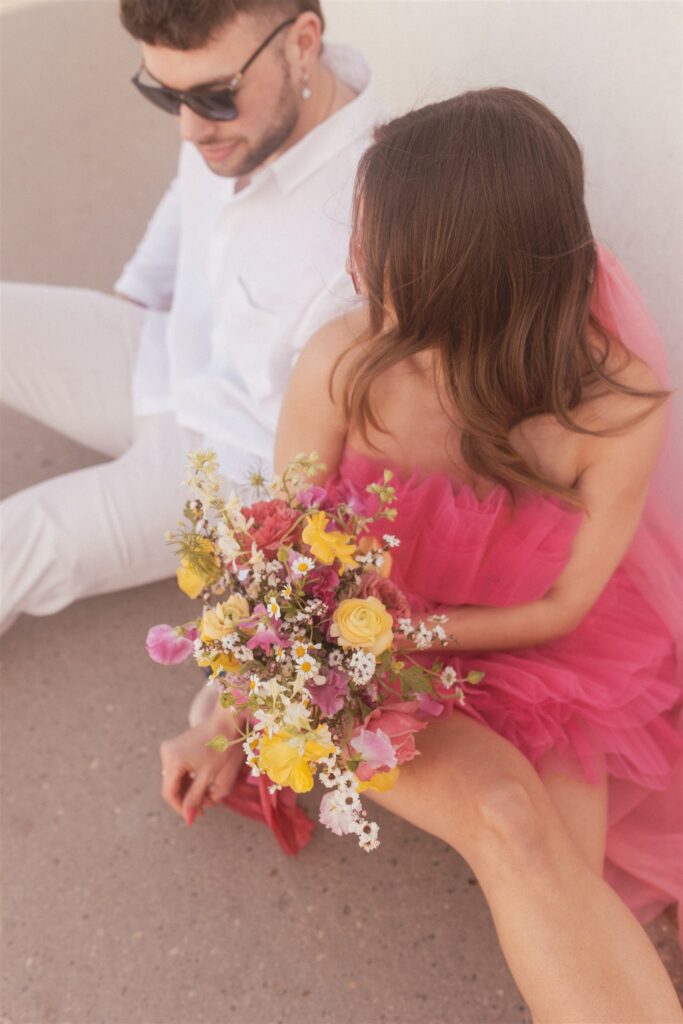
[
  {"x": 195, "y": 797},
  {"x": 225, "y": 778},
  {"x": 174, "y": 782}
]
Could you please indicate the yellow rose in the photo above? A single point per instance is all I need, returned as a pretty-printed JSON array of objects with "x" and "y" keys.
[
  {"x": 364, "y": 623},
  {"x": 189, "y": 580},
  {"x": 222, "y": 620},
  {"x": 327, "y": 546},
  {"x": 382, "y": 782},
  {"x": 286, "y": 758}
]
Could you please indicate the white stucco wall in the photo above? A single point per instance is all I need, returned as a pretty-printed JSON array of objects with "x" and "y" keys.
[{"x": 611, "y": 69}]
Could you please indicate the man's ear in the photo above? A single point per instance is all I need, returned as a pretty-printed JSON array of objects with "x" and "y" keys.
[{"x": 304, "y": 41}]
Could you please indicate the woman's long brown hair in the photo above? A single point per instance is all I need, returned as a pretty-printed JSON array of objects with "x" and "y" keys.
[{"x": 470, "y": 225}]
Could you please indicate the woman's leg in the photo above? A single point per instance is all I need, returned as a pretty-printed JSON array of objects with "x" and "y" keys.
[
  {"x": 582, "y": 808},
  {"x": 569, "y": 940}
]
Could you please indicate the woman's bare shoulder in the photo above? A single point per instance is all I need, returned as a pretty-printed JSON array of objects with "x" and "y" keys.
[
  {"x": 336, "y": 339},
  {"x": 607, "y": 409},
  {"x": 338, "y": 335}
]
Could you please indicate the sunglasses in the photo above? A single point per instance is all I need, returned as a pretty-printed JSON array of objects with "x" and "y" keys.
[{"x": 212, "y": 104}]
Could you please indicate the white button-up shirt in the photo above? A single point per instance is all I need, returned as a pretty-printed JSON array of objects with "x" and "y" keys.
[{"x": 248, "y": 277}]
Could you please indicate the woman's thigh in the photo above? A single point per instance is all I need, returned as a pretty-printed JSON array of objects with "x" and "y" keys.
[
  {"x": 582, "y": 806},
  {"x": 475, "y": 790}
]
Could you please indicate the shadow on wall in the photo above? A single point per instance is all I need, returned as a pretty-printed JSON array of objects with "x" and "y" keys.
[{"x": 84, "y": 162}]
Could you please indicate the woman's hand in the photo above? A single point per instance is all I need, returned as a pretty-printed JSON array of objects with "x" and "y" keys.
[{"x": 195, "y": 776}]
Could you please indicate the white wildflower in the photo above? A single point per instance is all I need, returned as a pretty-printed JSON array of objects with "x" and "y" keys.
[
  {"x": 390, "y": 540},
  {"x": 449, "y": 677},
  {"x": 440, "y": 634},
  {"x": 423, "y": 637},
  {"x": 362, "y": 665},
  {"x": 367, "y": 836},
  {"x": 296, "y": 715}
]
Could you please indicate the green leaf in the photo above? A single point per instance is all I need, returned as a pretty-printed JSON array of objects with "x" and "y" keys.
[
  {"x": 474, "y": 677},
  {"x": 219, "y": 743},
  {"x": 227, "y": 699},
  {"x": 283, "y": 555},
  {"x": 414, "y": 680}
]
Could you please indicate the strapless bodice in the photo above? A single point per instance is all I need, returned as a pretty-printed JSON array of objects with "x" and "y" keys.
[{"x": 456, "y": 548}]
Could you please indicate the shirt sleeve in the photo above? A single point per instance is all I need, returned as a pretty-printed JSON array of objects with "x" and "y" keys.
[{"x": 149, "y": 277}]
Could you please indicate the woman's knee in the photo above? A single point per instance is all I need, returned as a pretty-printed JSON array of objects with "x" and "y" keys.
[{"x": 511, "y": 827}]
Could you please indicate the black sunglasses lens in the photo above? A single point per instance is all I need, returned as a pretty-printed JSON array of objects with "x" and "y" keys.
[
  {"x": 159, "y": 97},
  {"x": 215, "y": 106}
]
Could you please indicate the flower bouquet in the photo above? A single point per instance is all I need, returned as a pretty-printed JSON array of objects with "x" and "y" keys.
[{"x": 302, "y": 627}]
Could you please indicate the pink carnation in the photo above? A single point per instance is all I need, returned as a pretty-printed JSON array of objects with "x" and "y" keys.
[
  {"x": 393, "y": 599},
  {"x": 322, "y": 582},
  {"x": 273, "y": 520}
]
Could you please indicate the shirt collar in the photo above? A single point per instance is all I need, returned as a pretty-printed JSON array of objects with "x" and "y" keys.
[{"x": 350, "y": 123}]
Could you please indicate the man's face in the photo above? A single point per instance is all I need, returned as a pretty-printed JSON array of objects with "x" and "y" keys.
[{"x": 267, "y": 99}]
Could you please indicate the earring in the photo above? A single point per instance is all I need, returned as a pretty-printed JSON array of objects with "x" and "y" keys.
[{"x": 305, "y": 89}]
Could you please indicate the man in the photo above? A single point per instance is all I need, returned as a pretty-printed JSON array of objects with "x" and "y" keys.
[{"x": 241, "y": 262}]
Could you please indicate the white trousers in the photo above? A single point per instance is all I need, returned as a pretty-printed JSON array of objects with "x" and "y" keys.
[{"x": 67, "y": 360}]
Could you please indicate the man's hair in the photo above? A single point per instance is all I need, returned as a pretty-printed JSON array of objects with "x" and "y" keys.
[{"x": 191, "y": 24}]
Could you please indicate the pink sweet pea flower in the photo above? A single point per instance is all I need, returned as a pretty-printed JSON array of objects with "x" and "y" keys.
[
  {"x": 169, "y": 645},
  {"x": 376, "y": 749},
  {"x": 267, "y": 636},
  {"x": 315, "y": 497},
  {"x": 330, "y": 695},
  {"x": 399, "y": 722},
  {"x": 426, "y": 705}
]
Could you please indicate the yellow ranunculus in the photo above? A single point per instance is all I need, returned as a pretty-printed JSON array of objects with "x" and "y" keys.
[
  {"x": 222, "y": 619},
  {"x": 328, "y": 546},
  {"x": 364, "y": 623},
  {"x": 191, "y": 582},
  {"x": 382, "y": 782},
  {"x": 286, "y": 758}
]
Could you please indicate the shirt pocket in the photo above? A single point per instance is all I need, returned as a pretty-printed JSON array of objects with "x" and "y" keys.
[{"x": 250, "y": 344}]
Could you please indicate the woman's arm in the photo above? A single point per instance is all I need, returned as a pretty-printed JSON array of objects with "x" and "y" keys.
[
  {"x": 613, "y": 485},
  {"x": 311, "y": 420}
]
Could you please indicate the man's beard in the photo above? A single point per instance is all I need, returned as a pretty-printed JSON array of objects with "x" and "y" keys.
[{"x": 284, "y": 122}]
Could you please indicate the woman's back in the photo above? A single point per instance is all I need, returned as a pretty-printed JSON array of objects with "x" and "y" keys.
[{"x": 420, "y": 424}]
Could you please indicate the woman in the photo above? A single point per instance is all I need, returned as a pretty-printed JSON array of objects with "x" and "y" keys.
[{"x": 495, "y": 372}]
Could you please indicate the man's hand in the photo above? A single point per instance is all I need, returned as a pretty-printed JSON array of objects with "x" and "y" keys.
[{"x": 193, "y": 775}]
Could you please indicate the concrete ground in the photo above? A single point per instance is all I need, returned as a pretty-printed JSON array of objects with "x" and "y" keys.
[{"x": 114, "y": 912}]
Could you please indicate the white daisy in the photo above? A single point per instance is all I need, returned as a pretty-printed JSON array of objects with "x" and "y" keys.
[{"x": 301, "y": 565}]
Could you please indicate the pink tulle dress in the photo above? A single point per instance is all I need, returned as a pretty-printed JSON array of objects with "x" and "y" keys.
[
  {"x": 606, "y": 697},
  {"x": 603, "y": 698}
]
